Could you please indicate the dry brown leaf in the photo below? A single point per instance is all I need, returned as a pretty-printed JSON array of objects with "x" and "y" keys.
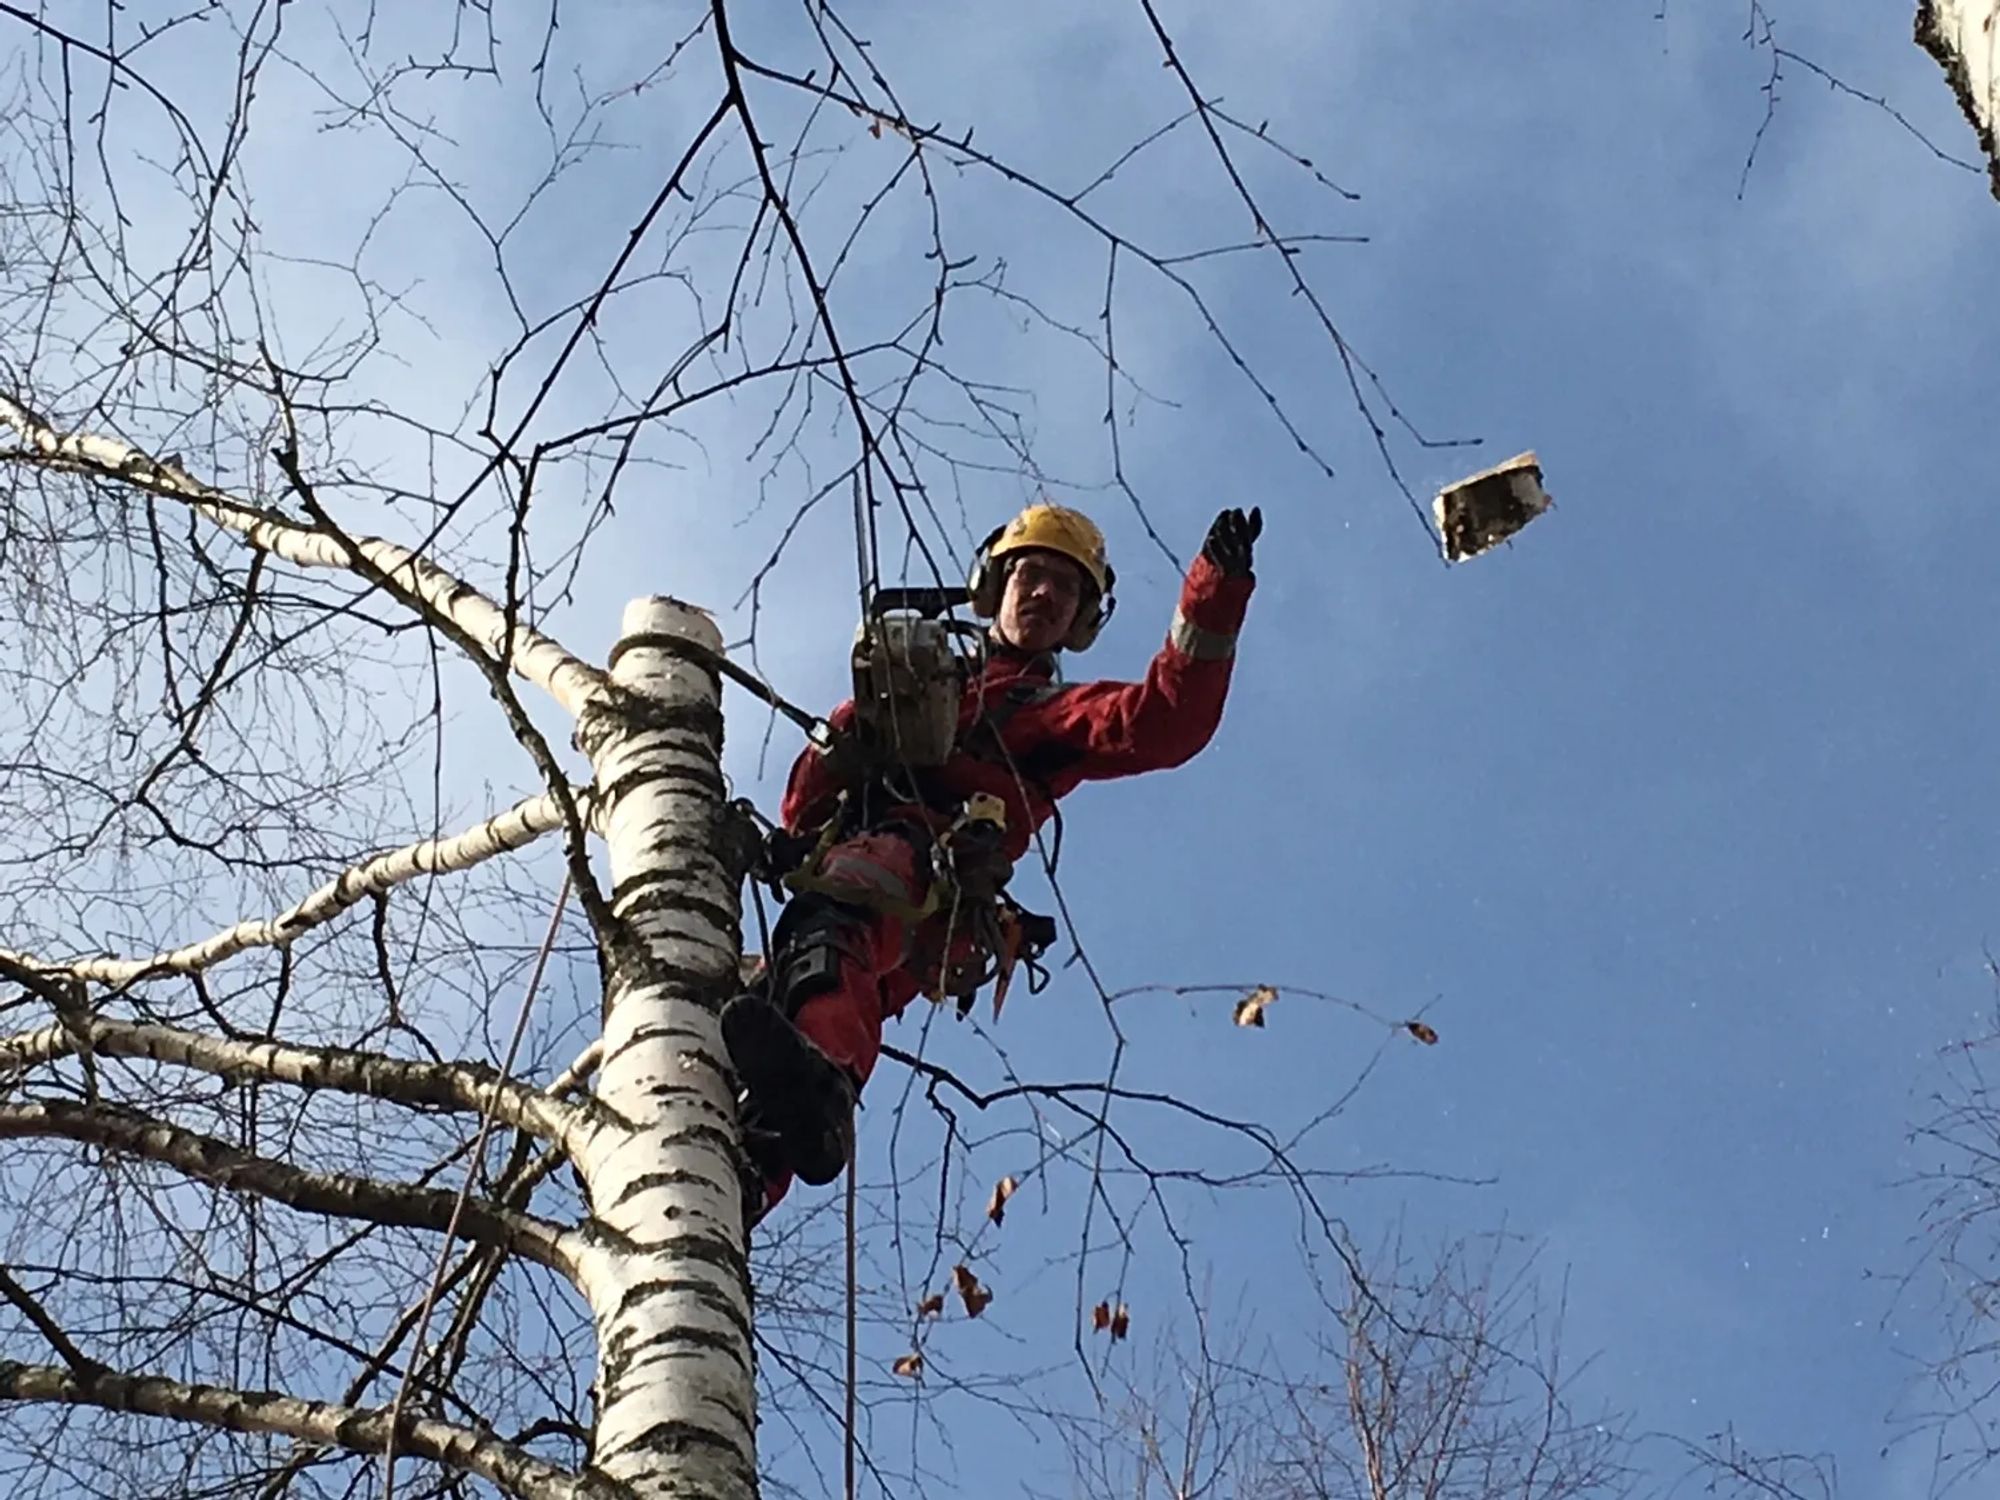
[
  {"x": 1250, "y": 1009},
  {"x": 908, "y": 1365},
  {"x": 970, "y": 1291},
  {"x": 1425, "y": 1034},
  {"x": 931, "y": 1306},
  {"x": 996, "y": 1206},
  {"x": 1105, "y": 1316}
]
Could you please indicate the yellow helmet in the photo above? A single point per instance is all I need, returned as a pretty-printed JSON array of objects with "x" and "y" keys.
[{"x": 1048, "y": 528}]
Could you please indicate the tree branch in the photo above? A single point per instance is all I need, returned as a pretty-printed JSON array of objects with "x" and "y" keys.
[
  {"x": 358, "y": 1429},
  {"x": 332, "y": 1194},
  {"x": 468, "y": 636},
  {"x": 503, "y": 833},
  {"x": 81, "y": 1365},
  {"x": 568, "y": 679},
  {"x": 469, "y": 1086}
]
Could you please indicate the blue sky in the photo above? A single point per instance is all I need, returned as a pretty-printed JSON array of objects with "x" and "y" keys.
[
  {"x": 1675, "y": 815},
  {"x": 1675, "y": 818}
]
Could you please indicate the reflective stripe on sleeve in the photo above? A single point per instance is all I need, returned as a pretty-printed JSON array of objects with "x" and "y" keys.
[{"x": 1191, "y": 640}]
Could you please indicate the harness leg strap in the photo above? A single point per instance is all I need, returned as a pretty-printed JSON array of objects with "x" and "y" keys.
[{"x": 814, "y": 933}]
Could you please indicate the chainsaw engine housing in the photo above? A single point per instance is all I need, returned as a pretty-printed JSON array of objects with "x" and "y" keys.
[{"x": 908, "y": 680}]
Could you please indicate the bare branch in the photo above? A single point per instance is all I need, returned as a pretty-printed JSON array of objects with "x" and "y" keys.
[
  {"x": 568, "y": 679},
  {"x": 81, "y": 1365},
  {"x": 468, "y": 1086},
  {"x": 333, "y": 1194},
  {"x": 358, "y": 1429},
  {"x": 513, "y": 829}
]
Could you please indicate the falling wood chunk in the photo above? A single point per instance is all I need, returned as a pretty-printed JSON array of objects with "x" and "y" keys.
[
  {"x": 1250, "y": 1009},
  {"x": 1478, "y": 514}
]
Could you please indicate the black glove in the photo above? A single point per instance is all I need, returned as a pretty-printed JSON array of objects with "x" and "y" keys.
[
  {"x": 1229, "y": 541},
  {"x": 848, "y": 756},
  {"x": 783, "y": 853}
]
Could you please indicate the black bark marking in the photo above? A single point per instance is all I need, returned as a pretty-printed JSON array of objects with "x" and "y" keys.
[
  {"x": 681, "y": 1438},
  {"x": 623, "y": 1358},
  {"x": 624, "y": 1351},
  {"x": 687, "y": 985},
  {"x": 697, "y": 778},
  {"x": 664, "y": 1031},
  {"x": 650, "y": 1180},
  {"x": 619, "y": 710},
  {"x": 1930, "y": 36}
]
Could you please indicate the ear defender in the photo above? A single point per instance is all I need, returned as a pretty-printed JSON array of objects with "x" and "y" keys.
[
  {"x": 987, "y": 579},
  {"x": 1094, "y": 613}
]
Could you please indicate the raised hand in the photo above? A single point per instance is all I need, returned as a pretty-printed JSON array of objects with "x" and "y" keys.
[{"x": 1230, "y": 540}]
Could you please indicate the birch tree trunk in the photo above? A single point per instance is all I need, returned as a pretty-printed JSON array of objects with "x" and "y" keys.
[
  {"x": 1964, "y": 36},
  {"x": 666, "y": 1272}
]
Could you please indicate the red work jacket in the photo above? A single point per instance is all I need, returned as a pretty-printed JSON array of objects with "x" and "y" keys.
[{"x": 1030, "y": 740}]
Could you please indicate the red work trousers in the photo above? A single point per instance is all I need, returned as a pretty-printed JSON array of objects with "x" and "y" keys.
[{"x": 876, "y": 979}]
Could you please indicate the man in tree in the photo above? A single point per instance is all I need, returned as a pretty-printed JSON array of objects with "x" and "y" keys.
[{"x": 864, "y": 941}]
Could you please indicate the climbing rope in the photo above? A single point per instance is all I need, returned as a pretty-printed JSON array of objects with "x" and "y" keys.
[
  {"x": 851, "y": 1320},
  {"x": 465, "y": 1191}
]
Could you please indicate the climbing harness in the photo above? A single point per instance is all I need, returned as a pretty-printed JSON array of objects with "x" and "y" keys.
[
  {"x": 911, "y": 661},
  {"x": 983, "y": 934},
  {"x": 973, "y": 871}
]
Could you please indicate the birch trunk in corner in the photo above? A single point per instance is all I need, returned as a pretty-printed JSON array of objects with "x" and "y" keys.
[
  {"x": 1964, "y": 36},
  {"x": 666, "y": 1273}
]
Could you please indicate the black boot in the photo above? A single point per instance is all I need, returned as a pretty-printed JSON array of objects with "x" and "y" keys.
[{"x": 798, "y": 1112}]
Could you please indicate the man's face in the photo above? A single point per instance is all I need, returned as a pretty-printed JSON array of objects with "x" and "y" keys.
[{"x": 1039, "y": 605}]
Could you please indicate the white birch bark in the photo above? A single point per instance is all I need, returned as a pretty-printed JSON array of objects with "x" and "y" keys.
[
  {"x": 357, "y": 1429},
  {"x": 662, "y": 1259},
  {"x": 1964, "y": 36},
  {"x": 464, "y": 1086},
  {"x": 502, "y": 833},
  {"x": 665, "y": 1272},
  {"x": 540, "y": 660},
  {"x": 339, "y": 1195}
]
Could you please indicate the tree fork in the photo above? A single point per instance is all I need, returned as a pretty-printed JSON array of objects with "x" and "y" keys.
[{"x": 667, "y": 1270}]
